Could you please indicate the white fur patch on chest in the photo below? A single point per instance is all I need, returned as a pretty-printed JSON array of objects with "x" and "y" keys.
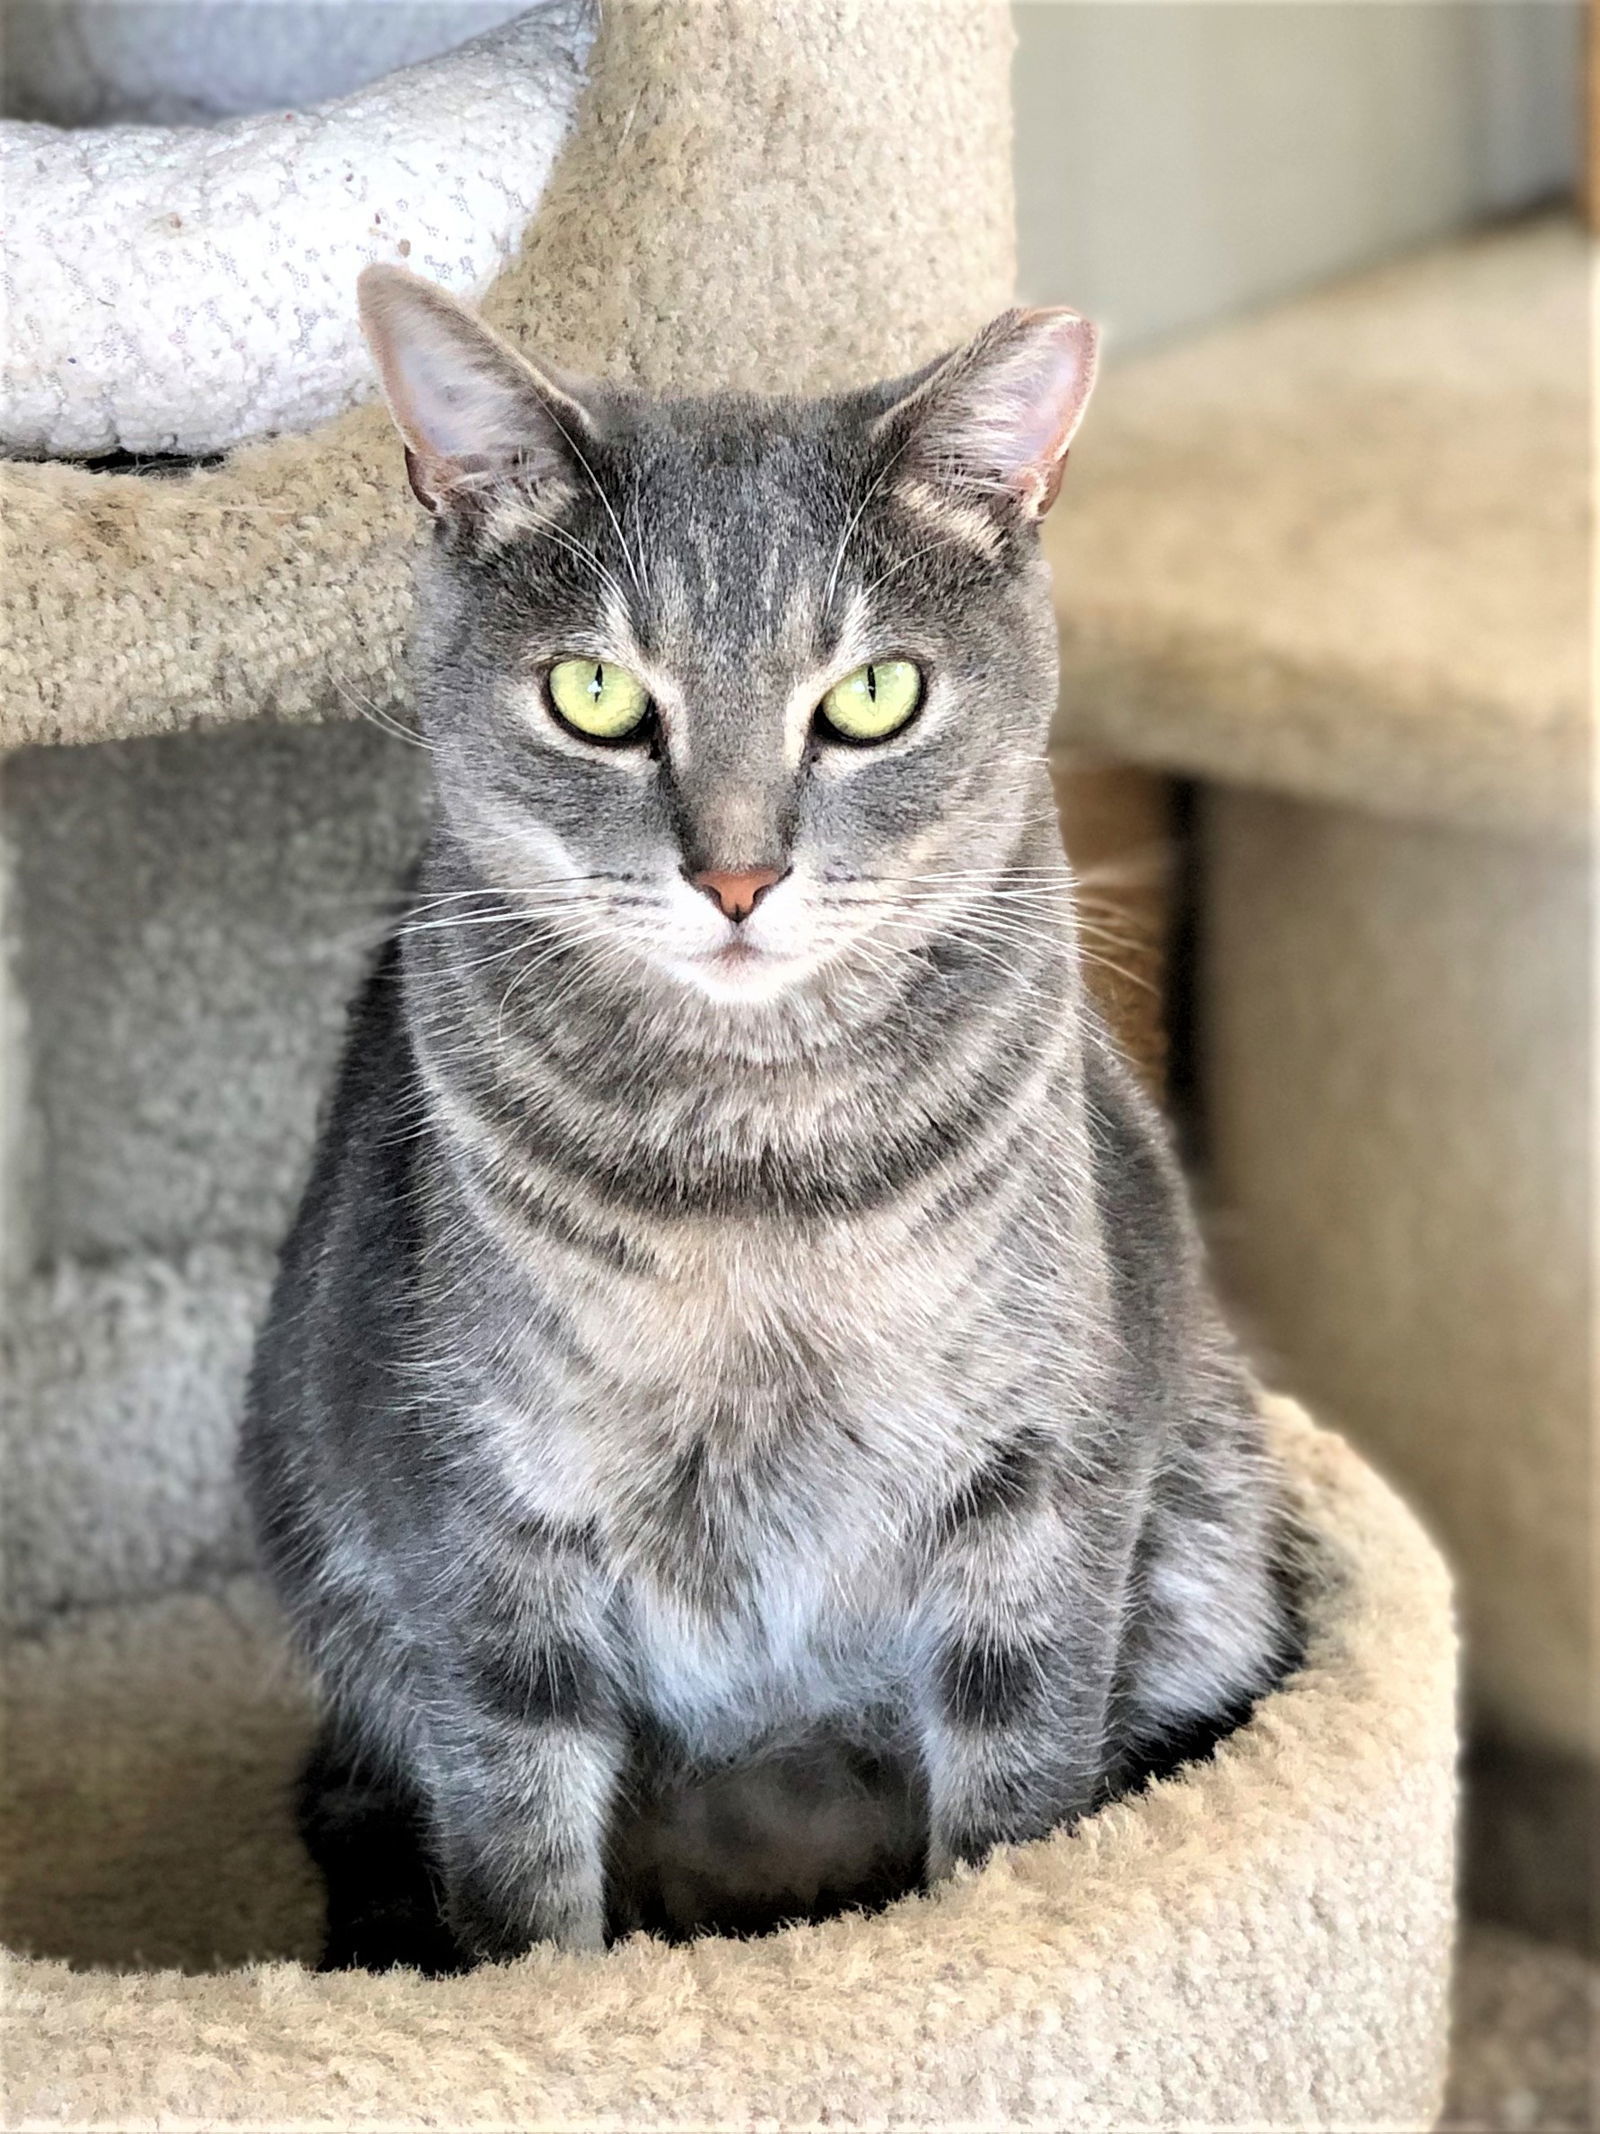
[
  {"x": 790, "y": 1650},
  {"x": 758, "y": 1436}
]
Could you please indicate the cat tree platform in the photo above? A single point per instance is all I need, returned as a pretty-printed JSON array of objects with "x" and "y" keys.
[
  {"x": 1336, "y": 561},
  {"x": 1340, "y": 549},
  {"x": 1261, "y": 1941}
]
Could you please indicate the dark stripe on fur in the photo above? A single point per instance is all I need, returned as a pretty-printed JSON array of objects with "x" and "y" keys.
[
  {"x": 549, "y": 1682},
  {"x": 1004, "y": 1485},
  {"x": 985, "y": 1685}
]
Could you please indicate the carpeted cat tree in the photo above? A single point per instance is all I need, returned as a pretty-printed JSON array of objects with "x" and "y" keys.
[
  {"x": 760, "y": 192},
  {"x": 1378, "y": 658}
]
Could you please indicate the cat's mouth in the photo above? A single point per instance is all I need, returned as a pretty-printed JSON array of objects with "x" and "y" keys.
[
  {"x": 741, "y": 964},
  {"x": 743, "y": 970}
]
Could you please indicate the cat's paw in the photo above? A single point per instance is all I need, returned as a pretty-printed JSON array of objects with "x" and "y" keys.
[{"x": 496, "y": 1927}]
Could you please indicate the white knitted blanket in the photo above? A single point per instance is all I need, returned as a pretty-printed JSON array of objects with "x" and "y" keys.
[{"x": 183, "y": 289}]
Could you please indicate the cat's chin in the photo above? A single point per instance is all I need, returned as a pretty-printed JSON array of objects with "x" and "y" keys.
[{"x": 742, "y": 973}]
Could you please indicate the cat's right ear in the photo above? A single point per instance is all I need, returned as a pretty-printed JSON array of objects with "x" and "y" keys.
[
  {"x": 991, "y": 423},
  {"x": 470, "y": 408}
]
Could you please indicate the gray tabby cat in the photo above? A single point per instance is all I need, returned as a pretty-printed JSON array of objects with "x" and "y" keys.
[{"x": 740, "y": 1427}]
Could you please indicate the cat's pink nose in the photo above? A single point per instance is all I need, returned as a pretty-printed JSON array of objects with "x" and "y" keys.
[{"x": 737, "y": 894}]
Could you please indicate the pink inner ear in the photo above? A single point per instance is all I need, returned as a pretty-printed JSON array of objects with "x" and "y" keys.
[{"x": 1021, "y": 407}]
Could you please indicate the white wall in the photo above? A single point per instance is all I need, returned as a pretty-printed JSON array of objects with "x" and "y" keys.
[{"x": 1180, "y": 159}]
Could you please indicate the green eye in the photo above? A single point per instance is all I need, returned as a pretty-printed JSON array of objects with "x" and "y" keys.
[
  {"x": 875, "y": 701},
  {"x": 598, "y": 700}
]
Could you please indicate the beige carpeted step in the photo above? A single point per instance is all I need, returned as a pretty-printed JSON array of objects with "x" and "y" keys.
[
  {"x": 151, "y": 1749},
  {"x": 1341, "y": 549}
]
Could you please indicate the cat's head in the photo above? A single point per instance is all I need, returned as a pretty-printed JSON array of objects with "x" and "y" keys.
[{"x": 738, "y": 687}]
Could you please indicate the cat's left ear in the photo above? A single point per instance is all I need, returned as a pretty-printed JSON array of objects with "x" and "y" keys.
[{"x": 997, "y": 417}]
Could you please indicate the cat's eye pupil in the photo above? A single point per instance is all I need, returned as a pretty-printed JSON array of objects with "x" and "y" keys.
[
  {"x": 873, "y": 703},
  {"x": 600, "y": 700}
]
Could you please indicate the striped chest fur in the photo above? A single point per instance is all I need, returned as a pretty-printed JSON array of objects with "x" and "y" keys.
[{"x": 758, "y": 1435}]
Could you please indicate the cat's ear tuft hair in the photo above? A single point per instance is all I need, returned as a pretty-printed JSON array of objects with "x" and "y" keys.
[
  {"x": 470, "y": 407},
  {"x": 996, "y": 418}
]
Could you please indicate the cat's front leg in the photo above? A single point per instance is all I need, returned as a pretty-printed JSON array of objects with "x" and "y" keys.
[
  {"x": 1019, "y": 1657},
  {"x": 525, "y": 1769}
]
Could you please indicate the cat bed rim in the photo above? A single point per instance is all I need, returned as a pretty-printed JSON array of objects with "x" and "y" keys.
[{"x": 1272, "y": 1926}]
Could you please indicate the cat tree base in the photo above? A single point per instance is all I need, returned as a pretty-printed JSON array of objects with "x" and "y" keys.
[{"x": 1261, "y": 1942}]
